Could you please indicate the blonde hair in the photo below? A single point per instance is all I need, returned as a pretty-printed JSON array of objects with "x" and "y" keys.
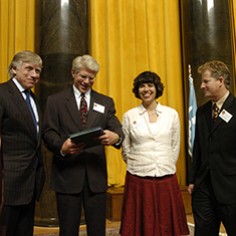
[{"x": 218, "y": 69}]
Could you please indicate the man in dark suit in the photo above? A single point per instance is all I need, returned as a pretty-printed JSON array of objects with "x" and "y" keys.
[
  {"x": 2, "y": 226},
  {"x": 213, "y": 172},
  {"x": 20, "y": 144},
  {"x": 79, "y": 174}
]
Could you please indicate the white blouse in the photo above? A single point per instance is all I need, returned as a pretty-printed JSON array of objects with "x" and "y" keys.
[{"x": 151, "y": 149}]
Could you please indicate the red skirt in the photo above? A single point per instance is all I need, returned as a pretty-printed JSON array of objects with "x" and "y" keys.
[{"x": 153, "y": 207}]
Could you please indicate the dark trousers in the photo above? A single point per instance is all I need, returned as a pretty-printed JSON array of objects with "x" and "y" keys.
[
  {"x": 209, "y": 213},
  {"x": 69, "y": 212},
  {"x": 19, "y": 220}
]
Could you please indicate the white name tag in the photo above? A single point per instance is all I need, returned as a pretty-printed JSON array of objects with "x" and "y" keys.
[
  {"x": 226, "y": 116},
  {"x": 98, "y": 107}
]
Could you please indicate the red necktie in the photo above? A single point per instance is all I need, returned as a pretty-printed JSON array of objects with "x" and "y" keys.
[{"x": 83, "y": 110}]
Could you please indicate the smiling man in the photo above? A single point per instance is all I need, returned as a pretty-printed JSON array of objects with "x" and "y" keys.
[
  {"x": 79, "y": 173},
  {"x": 20, "y": 131},
  {"x": 213, "y": 173}
]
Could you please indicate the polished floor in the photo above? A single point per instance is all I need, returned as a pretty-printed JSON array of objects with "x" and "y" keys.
[{"x": 54, "y": 230}]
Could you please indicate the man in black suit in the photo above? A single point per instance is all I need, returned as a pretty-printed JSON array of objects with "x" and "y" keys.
[
  {"x": 2, "y": 226},
  {"x": 79, "y": 174},
  {"x": 20, "y": 131},
  {"x": 213, "y": 173}
]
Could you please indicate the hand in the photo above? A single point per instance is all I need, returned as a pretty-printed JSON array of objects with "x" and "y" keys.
[
  {"x": 71, "y": 148},
  {"x": 109, "y": 137},
  {"x": 190, "y": 188}
]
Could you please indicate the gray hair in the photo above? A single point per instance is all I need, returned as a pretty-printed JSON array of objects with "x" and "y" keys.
[
  {"x": 24, "y": 57},
  {"x": 85, "y": 62}
]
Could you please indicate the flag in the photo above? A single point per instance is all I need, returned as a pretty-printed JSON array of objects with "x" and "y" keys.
[{"x": 192, "y": 108}]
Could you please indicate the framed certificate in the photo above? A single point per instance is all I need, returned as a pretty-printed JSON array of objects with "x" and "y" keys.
[{"x": 89, "y": 136}]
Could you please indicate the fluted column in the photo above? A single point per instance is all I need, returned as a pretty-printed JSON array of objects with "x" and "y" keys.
[
  {"x": 61, "y": 35},
  {"x": 206, "y": 35}
]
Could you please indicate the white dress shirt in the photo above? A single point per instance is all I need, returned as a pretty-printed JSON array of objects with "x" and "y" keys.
[
  {"x": 151, "y": 149},
  {"x": 21, "y": 89},
  {"x": 77, "y": 94}
]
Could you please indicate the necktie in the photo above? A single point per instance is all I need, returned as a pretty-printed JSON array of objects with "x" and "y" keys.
[
  {"x": 83, "y": 110},
  {"x": 27, "y": 93},
  {"x": 215, "y": 111}
]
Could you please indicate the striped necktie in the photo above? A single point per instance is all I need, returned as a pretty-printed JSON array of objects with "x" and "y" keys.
[
  {"x": 215, "y": 109},
  {"x": 83, "y": 110}
]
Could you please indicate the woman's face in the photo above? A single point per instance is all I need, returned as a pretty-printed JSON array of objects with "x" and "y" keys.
[{"x": 147, "y": 92}]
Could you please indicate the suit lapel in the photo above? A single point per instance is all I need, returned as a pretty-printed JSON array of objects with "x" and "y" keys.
[
  {"x": 227, "y": 106},
  {"x": 92, "y": 114},
  {"x": 208, "y": 114},
  {"x": 22, "y": 107},
  {"x": 39, "y": 115},
  {"x": 72, "y": 108}
]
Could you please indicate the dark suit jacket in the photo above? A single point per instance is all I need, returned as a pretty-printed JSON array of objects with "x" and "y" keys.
[
  {"x": 1, "y": 181},
  {"x": 20, "y": 147},
  {"x": 62, "y": 118},
  {"x": 215, "y": 151}
]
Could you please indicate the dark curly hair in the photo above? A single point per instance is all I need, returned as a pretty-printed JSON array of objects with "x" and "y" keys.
[{"x": 148, "y": 77}]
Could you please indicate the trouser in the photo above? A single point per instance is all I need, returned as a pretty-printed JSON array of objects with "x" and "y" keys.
[{"x": 209, "y": 213}]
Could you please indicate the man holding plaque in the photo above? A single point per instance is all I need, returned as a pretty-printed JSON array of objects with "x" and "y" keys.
[{"x": 79, "y": 173}]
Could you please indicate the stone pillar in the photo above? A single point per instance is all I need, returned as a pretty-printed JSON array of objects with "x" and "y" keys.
[
  {"x": 206, "y": 35},
  {"x": 61, "y": 35}
]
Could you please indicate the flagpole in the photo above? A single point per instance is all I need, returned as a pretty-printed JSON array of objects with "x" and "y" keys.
[
  {"x": 192, "y": 107},
  {"x": 189, "y": 71}
]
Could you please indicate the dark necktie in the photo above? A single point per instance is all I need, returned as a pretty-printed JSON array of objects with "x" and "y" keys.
[
  {"x": 83, "y": 110},
  {"x": 27, "y": 93},
  {"x": 215, "y": 111}
]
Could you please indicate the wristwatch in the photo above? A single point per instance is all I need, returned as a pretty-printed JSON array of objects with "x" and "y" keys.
[{"x": 118, "y": 143}]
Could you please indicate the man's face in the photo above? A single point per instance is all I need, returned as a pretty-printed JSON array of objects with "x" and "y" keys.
[
  {"x": 211, "y": 86},
  {"x": 28, "y": 74},
  {"x": 83, "y": 80}
]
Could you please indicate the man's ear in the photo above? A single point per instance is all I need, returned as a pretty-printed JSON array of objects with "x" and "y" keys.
[
  {"x": 221, "y": 79},
  {"x": 14, "y": 69},
  {"x": 73, "y": 73}
]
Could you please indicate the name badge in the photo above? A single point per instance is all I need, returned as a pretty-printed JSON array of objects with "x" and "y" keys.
[
  {"x": 98, "y": 107},
  {"x": 225, "y": 115}
]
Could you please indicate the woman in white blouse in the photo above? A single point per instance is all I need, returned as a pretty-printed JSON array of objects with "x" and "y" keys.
[{"x": 153, "y": 204}]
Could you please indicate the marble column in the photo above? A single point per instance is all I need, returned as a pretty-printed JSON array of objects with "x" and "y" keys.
[
  {"x": 206, "y": 35},
  {"x": 61, "y": 35}
]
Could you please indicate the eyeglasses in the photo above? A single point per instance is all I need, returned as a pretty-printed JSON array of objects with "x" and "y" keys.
[{"x": 90, "y": 77}]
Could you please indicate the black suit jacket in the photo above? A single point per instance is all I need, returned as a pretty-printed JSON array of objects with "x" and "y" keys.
[
  {"x": 215, "y": 151},
  {"x": 1, "y": 182},
  {"x": 20, "y": 147},
  {"x": 62, "y": 118}
]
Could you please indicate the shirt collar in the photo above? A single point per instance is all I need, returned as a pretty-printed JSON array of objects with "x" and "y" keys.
[
  {"x": 18, "y": 85},
  {"x": 142, "y": 109},
  {"x": 78, "y": 93},
  {"x": 221, "y": 101}
]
